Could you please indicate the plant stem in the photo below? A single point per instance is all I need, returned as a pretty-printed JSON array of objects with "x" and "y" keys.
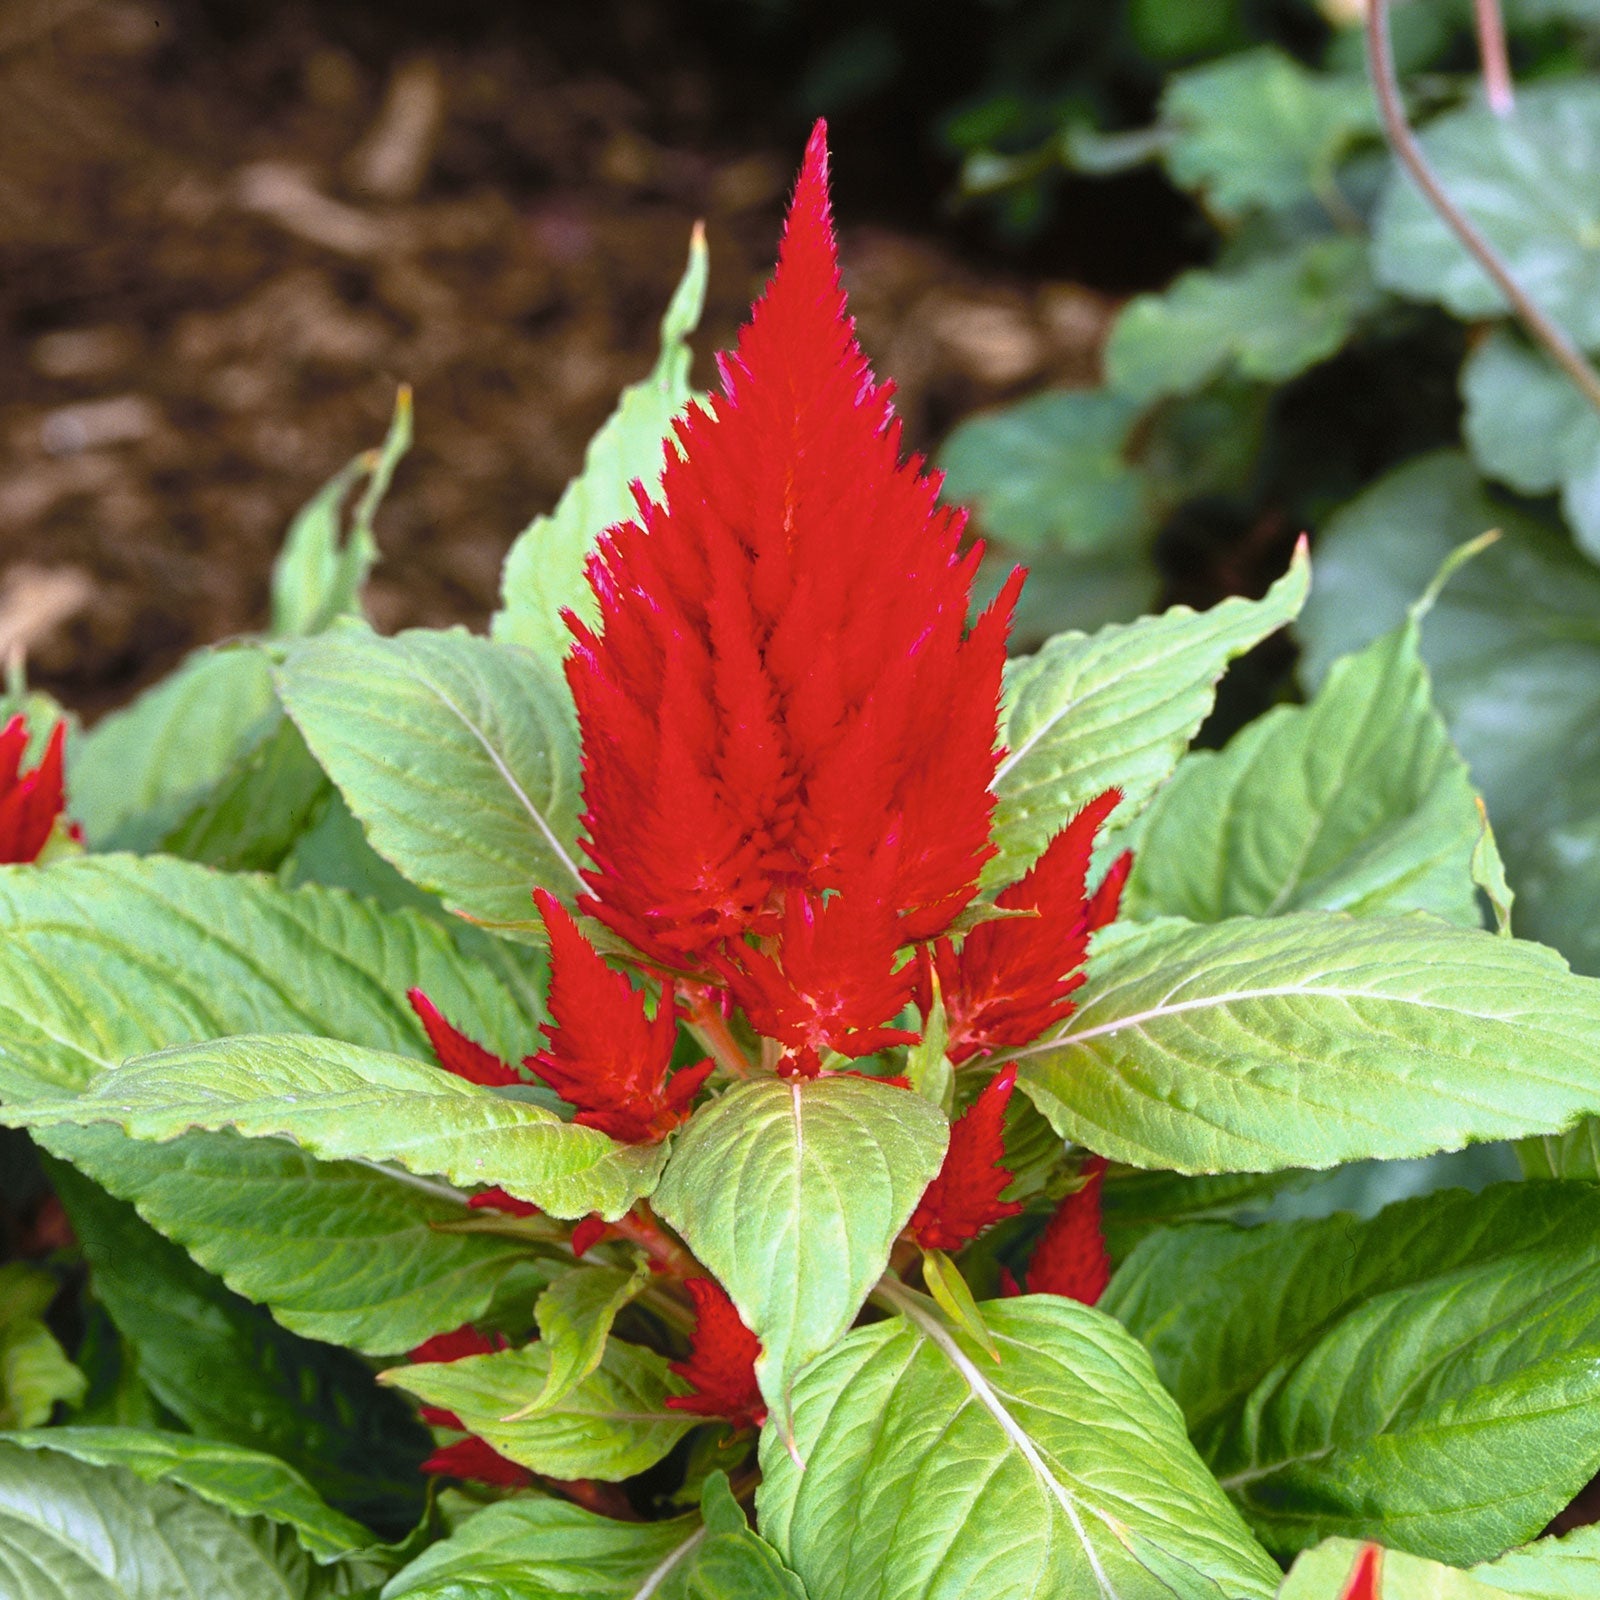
[
  {"x": 1492, "y": 53},
  {"x": 707, "y": 1023},
  {"x": 1408, "y": 152}
]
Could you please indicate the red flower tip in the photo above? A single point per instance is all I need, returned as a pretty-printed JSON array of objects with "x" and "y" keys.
[
  {"x": 477, "y": 1460},
  {"x": 588, "y": 1233},
  {"x": 458, "y": 1344},
  {"x": 1070, "y": 1258},
  {"x": 1013, "y": 977},
  {"x": 30, "y": 802},
  {"x": 964, "y": 1198},
  {"x": 496, "y": 1199},
  {"x": 456, "y": 1052},
  {"x": 1363, "y": 1584},
  {"x": 606, "y": 1057},
  {"x": 721, "y": 1363}
]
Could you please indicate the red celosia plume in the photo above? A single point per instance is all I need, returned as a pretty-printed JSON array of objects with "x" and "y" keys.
[
  {"x": 471, "y": 1457},
  {"x": 1013, "y": 977},
  {"x": 30, "y": 802},
  {"x": 965, "y": 1197},
  {"x": 1070, "y": 1258},
  {"x": 1363, "y": 1584},
  {"x": 606, "y": 1056},
  {"x": 456, "y": 1052},
  {"x": 496, "y": 1199},
  {"x": 781, "y": 705},
  {"x": 721, "y": 1363}
]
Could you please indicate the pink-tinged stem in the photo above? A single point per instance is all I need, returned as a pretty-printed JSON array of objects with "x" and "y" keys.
[
  {"x": 640, "y": 1228},
  {"x": 1409, "y": 153},
  {"x": 1492, "y": 53},
  {"x": 707, "y": 1023}
]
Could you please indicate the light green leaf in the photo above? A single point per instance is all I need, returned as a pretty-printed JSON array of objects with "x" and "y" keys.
[
  {"x": 953, "y": 1297},
  {"x": 34, "y": 1370},
  {"x": 1267, "y": 321},
  {"x": 343, "y": 1102},
  {"x": 1525, "y": 182},
  {"x": 850, "y": 1159},
  {"x": 245, "y": 1483},
  {"x": 610, "y": 1426},
  {"x": 1513, "y": 644},
  {"x": 459, "y": 757},
  {"x": 1315, "y": 1038},
  {"x": 1115, "y": 707},
  {"x": 575, "y": 1315},
  {"x": 544, "y": 572},
  {"x": 1357, "y": 802},
  {"x": 1257, "y": 130},
  {"x": 1433, "y": 1373},
  {"x": 930, "y": 1471},
  {"x": 227, "y": 1371},
  {"x": 318, "y": 575}
]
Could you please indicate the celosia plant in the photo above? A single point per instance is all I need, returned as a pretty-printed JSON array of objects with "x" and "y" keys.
[{"x": 856, "y": 1136}]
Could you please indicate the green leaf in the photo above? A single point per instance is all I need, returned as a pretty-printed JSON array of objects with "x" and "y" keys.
[
  {"x": 1435, "y": 1370},
  {"x": 1527, "y": 426},
  {"x": 1115, "y": 707},
  {"x": 1051, "y": 472},
  {"x": 850, "y": 1159},
  {"x": 1315, "y": 1038},
  {"x": 1063, "y": 1470},
  {"x": 1525, "y": 182},
  {"x": 1258, "y": 131},
  {"x": 226, "y": 1370},
  {"x": 1136, "y": 1203},
  {"x": 72, "y": 1531},
  {"x": 575, "y": 1315},
  {"x": 544, "y": 572},
  {"x": 34, "y": 1370},
  {"x": 244, "y": 1483},
  {"x": 107, "y": 957},
  {"x": 611, "y": 1425},
  {"x": 1268, "y": 320},
  {"x": 318, "y": 575},
  {"x": 459, "y": 757},
  {"x": 1357, "y": 802},
  {"x": 1513, "y": 644},
  {"x": 342, "y": 1102},
  {"x": 953, "y": 1297}
]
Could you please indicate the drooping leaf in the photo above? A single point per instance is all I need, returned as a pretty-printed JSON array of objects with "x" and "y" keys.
[
  {"x": 1523, "y": 181},
  {"x": 1513, "y": 644},
  {"x": 575, "y": 1315},
  {"x": 611, "y": 1425},
  {"x": 1315, "y": 1038},
  {"x": 34, "y": 1370},
  {"x": 1357, "y": 802},
  {"x": 1115, "y": 708},
  {"x": 242, "y": 1482},
  {"x": 343, "y": 1102},
  {"x": 544, "y": 571},
  {"x": 930, "y": 1470},
  {"x": 70, "y": 1530},
  {"x": 849, "y": 1158},
  {"x": 459, "y": 756},
  {"x": 1267, "y": 320},
  {"x": 230, "y": 1373},
  {"x": 1432, "y": 1370}
]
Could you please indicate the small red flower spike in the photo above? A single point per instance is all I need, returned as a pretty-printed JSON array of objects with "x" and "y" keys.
[
  {"x": 605, "y": 1056},
  {"x": 965, "y": 1197},
  {"x": 588, "y": 1233},
  {"x": 30, "y": 802},
  {"x": 456, "y": 1052},
  {"x": 1070, "y": 1258},
  {"x": 1013, "y": 977},
  {"x": 1363, "y": 1584},
  {"x": 496, "y": 1199},
  {"x": 460, "y": 1342},
  {"x": 721, "y": 1364},
  {"x": 477, "y": 1460}
]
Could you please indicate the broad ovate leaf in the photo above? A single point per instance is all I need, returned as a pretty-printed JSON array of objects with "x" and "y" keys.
[
  {"x": 1315, "y": 1038},
  {"x": 933, "y": 1472},
  {"x": 792, "y": 1191}
]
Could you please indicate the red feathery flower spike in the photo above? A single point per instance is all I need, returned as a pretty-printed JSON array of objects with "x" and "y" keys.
[
  {"x": 781, "y": 703},
  {"x": 1363, "y": 1584},
  {"x": 1070, "y": 1258},
  {"x": 471, "y": 1457},
  {"x": 721, "y": 1364},
  {"x": 30, "y": 802},
  {"x": 965, "y": 1197},
  {"x": 456, "y": 1052},
  {"x": 1013, "y": 977},
  {"x": 605, "y": 1056},
  {"x": 496, "y": 1199}
]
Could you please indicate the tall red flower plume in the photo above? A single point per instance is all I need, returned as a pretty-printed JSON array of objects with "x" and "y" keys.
[
  {"x": 456, "y": 1052},
  {"x": 1070, "y": 1258},
  {"x": 471, "y": 1457},
  {"x": 30, "y": 802},
  {"x": 1363, "y": 1584},
  {"x": 1013, "y": 977},
  {"x": 965, "y": 1197},
  {"x": 605, "y": 1056},
  {"x": 781, "y": 702},
  {"x": 721, "y": 1364}
]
